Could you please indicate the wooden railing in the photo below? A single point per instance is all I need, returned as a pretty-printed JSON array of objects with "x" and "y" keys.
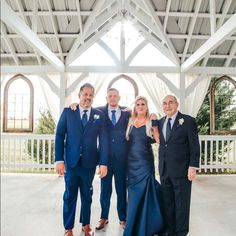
[{"x": 35, "y": 152}]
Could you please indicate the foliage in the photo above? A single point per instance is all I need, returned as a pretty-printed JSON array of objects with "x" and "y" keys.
[
  {"x": 225, "y": 113},
  {"x": 46, "y": 125}
]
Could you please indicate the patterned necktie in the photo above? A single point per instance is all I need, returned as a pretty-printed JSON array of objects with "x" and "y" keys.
[
  {"x": 168, "y": 129},
  {"x": 113, "y": 117},
  {"x": 84, "y": 118}
]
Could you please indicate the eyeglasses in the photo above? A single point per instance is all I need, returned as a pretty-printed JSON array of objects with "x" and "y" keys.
[{"x": 170, "y": 103}]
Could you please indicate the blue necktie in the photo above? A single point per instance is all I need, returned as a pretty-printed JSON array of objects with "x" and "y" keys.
[
  {"x": 84, "y": 118},
  {"x": 113, "y": 117},
  {"x": 168, "y": 129}
]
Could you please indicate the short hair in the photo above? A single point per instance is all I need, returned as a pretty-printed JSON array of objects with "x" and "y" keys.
[
  {"x": 86, "y": 85},
  {"x": 170, "y": 95},
  {"x": 112, "y": 89}
]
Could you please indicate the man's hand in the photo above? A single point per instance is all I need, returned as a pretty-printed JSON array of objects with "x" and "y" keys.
[
  {"x": 60, "y": 168},
  {"x": 191, "y": 173},
  {"x": 102, "y": 171},
  {"x": 73, "y": 106}
]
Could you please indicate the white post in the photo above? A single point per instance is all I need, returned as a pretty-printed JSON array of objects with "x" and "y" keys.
[
  {"x": 62, "y": 91},
  {"x": 182, "y": 92}
]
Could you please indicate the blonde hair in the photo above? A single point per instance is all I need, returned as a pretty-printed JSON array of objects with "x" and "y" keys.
[{"x": 133, "y": 118}]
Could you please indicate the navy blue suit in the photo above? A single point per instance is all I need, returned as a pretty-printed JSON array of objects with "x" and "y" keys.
[
  {"x": 78, "y": 148},
  {"x": 176, "y": 155},
  {"x": 118, "y": 150}
]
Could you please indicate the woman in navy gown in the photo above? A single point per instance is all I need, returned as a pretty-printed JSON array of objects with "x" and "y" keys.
[{"x": 144, "y": 216}]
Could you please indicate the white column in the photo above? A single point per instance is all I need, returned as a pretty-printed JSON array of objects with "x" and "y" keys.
[
  {"x": 182, "y": 92},
  {"x": 62, "y": 93}
]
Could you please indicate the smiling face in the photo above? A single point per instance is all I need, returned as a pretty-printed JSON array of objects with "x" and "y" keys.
[
  {"x": 86, "y": 96},
  {"x": 141, "y": 107},
  {"x": 113, "y": 98},
  {"x": 170, "y": 105}
]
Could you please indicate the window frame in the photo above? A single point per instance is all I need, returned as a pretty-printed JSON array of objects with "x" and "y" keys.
[
  {"x": 5, "y": 109},
  {"x": 212, "y": 106}
]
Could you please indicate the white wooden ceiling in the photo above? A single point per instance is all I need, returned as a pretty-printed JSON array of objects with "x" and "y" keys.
[{"x": 196, "y": 35}]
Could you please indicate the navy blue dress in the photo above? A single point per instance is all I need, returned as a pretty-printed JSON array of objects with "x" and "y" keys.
[{"x": 144, "y": 215}]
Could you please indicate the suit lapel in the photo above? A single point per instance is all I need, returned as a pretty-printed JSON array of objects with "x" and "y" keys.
[
  {"x": 121, "y": 116},
  {"x": 162, "y": 121},
  {"x": 107, "y": 116}
]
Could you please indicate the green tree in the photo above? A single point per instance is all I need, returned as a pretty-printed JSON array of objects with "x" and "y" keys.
[
  {"x": 225, "y": 111},
  {"x": 46, "y": 125}
]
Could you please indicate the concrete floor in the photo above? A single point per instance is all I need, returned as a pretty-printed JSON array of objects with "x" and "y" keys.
[{"x": 31, "y": 205}]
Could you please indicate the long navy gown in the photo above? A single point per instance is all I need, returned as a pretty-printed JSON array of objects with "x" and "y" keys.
[{"x": 144, "y": 215}]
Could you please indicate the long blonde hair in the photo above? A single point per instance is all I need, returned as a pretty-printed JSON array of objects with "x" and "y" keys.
[{"x": 134, "y": 115}]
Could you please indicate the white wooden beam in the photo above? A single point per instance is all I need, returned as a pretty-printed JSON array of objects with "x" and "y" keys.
[
  {"x": 231, "y": 55},
  {"x": 158, "y": 13},
  {"x": 134, "y": 53},
  {"x": 225, "y": 10},
  {"x": 79, "y": 16},
  {"x": 154, "y": 42},
  {"x": 219, "y": 36},
  {"x": 54, "y": 26},
  {"x": 88, "y": 23},
  {"x": 98, "y": 34},
  {"x": 27, "y": 22},
  {"x": 213, "y": 16},
  {"x": 109, "y": 51},
  {"x": 118, "y": 69},
  {"x": 62, "y": 92},
  {"x": 35, "y": 16},
  {"x": 100, "y": 21},
  {"x": 9, "y": 44},
  {"x": 220, "y": 22},
  {"x": 14, "y": 22},
  {"x": 166, "y": 16},
  {"x": 213, "y": 70},
  {"x": 191, "y": 28},
  {"x": 182, "y": 92},
  {"x": 159, "y": 25}
]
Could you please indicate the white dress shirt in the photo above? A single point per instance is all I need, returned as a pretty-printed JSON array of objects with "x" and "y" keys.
[
  {"x": 171, "y": 123},
  {"x": 81, "y": 110}
]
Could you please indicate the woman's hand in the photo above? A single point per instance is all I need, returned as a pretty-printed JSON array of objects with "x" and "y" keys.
[{"x": 153, "y": 116}]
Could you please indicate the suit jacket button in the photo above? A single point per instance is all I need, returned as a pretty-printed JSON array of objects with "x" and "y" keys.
[
  {"x": 165, "y": 145},
  {"x": 113, "y": 140}
]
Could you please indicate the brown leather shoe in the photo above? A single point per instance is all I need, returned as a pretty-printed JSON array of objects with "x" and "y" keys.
[
  {"x": 69, "y": 232},
  {"x": 123, "y": 224},
  {"x": 87, "y": 230},
  {"x": 101, "y": 224}
]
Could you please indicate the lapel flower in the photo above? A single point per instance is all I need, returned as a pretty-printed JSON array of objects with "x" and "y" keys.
[
  {"x": 96, "y": 117},
  {"x": 181, "y": 121}
]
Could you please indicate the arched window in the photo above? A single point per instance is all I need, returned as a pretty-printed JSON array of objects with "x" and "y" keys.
[
  {"x": 223, "y": 106},
  {"x": 127, "y": 87},
  {"x": 18, "y": 105}
]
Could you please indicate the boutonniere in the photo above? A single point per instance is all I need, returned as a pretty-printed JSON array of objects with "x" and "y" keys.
[
  {"x": 96, "y": 118},
  {"x": 181, "y": 121}
]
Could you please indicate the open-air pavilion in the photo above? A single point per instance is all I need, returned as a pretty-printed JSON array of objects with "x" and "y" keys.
[{"x": 150, "y": 47}]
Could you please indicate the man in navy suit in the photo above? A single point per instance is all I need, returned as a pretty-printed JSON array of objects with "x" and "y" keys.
[
  {"x": 179, "y": 153},
  {"x": 117, "y": 120},
  {"x": 77, "y": 155}
]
